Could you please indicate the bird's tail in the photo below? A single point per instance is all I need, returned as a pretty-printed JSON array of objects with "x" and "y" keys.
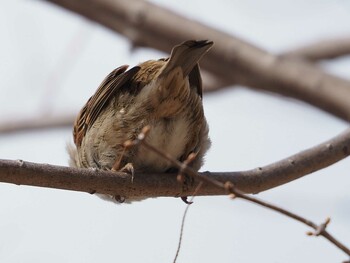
[{"x": 186, "y": 55}]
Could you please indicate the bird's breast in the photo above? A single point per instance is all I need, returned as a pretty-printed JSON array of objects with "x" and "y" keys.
[{"x": 168, "y": 135}]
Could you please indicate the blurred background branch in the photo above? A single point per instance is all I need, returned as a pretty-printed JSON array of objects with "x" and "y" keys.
[
  {"x": 40, "y": 122},
  {"x": 232, "y": 59},
  {"x": 322, "y": 50},
  {"x": 318, "y": 88}
]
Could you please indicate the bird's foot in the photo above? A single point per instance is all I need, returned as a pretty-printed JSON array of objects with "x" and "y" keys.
[
  {"x": 129, "y": 168},
  {"x": 187, "y": 182},
  {"x": 119, "y": 199}
]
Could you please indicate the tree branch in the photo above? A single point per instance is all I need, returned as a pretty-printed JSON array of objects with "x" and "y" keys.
[
  {"x": 35, "y": 123},
  {"x": 320, "y": 50},
  {"x": 153, "y": 185},
  {"x": 320, "y": 230},
  {"x": 156, "y": 185},
  {"x": 232, "y": 59}
]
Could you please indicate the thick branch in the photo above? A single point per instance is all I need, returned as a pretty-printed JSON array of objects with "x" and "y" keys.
[
  {"x": 232, "y": 59},
  {"x": 314, "y": 52},
  {"x": 320, "y": 50},
  {"x": 155, "y": 185}
]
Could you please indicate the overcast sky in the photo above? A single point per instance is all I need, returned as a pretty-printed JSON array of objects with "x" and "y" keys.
[{"x": 42, "y": 44}]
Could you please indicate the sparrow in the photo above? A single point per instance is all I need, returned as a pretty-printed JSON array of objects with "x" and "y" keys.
[{"x": 165, "y": 94}]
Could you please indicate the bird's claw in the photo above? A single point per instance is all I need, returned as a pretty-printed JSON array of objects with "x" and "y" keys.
[
  {"x": 184, "y": 198},
  {"x": 129, "y": 168}
]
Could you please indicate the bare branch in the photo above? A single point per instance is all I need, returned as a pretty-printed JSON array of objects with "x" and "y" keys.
[
  {"x": 212, "y": 82},
  {"x": 320, "y": 230},
  {"x": 156, "y": 185},
  {"x": 314, "y": 52},
  {"x": 308, "y": 88},
  {"x": 326, "y": 49},
  {"x": 35, "y": 123},
  {"x": 232, "y": 59}
]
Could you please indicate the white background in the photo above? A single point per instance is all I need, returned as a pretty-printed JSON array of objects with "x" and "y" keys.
[{"x": 51, "y": 61}]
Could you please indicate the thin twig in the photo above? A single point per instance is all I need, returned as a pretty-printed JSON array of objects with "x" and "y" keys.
[
  {"x": 320, "y": 230},
  {"x": 230, "y": 188},
  {"x": 183, "y": 220}
]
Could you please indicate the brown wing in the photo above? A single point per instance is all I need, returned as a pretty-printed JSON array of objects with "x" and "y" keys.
[
  {"x": 107, "y": 89},
  {"x": 195, "y": 79}
]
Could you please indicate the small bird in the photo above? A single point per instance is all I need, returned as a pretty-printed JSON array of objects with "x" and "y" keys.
[{"x": 165, "y": 94}]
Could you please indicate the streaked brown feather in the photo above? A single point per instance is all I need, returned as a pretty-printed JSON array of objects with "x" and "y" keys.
[
  {"x": 184, "y": 55},
  {"x": 107, "y": 89}
]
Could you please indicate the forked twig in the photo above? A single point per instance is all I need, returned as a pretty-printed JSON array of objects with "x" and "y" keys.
[{"x": 320, "y": 230}]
